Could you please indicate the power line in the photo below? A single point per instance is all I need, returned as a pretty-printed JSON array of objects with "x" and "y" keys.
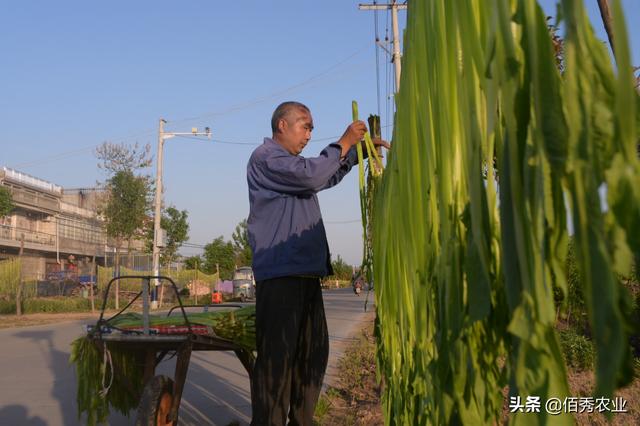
[
  {"x": 226, "y": 142},
  {"x": 193, "y": 245},
  {"x": 259, "y": 100},
  {"x": 310, "y": 80},
  {"x": 73, "y": 153},
  {"x": 341, "y": 222},
  {"x": 58, "y": 156}
]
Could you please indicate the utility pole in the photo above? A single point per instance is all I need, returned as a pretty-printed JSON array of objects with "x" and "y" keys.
[
  {"x": 217, "y": 277},
  {"x": 91, "y": 281},
  {"x": 394, "y": 6},
  {"x": 19, "y": 289},
  {"x": 158, "y": 234},
  {"x": 156, "y": 216}
]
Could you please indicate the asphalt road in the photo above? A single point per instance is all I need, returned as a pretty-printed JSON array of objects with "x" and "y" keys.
[{"x": 38, "y": 386}]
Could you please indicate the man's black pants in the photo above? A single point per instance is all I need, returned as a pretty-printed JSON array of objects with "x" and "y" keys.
[{"x": 293, "y": 350}]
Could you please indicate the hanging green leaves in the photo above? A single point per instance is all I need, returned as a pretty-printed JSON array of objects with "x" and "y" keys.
[{"x": 493, "y": 149}]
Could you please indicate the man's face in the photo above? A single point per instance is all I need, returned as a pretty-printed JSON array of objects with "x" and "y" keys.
[{"x": 295, "y": 130}]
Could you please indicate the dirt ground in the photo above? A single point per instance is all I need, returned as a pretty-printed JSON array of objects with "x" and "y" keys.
[
  {"x": 8, "y": 321},
  {"x": 355, "y": 400},
  {"x": 582, "y": 384}
]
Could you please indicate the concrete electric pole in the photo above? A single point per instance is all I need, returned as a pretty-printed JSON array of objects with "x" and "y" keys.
[
  {"x": 157, "y": 215},
  {"x": 158, "y": 234},
  {"x": 394, "y": 6}
]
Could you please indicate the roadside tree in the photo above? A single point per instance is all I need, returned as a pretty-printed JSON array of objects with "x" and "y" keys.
[
  {"x": 115, "y": 158},
  {"x": 240, "y": 239},
  {"x": 127, "y": 200},
  {"x": 175, "y": 224},
  {"x": 341, "y": 270},
  {"x": 125, "y": 209},
  {"x": 6, "y": 202},
  {"x": 221, "y": 253},
  {"x": 194, "y": 262}
]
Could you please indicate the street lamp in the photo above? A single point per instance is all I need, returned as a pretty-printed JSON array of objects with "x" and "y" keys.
[{"x": 158, "y": 232}]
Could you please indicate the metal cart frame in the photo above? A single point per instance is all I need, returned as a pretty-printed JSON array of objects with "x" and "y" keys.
[{"x": 156, "y": 347}]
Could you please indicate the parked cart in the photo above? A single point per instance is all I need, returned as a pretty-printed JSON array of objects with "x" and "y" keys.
[{"x": 160, "y": 400}]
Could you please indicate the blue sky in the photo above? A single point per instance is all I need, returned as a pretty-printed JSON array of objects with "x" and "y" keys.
[{"x": 78, "y": 73}]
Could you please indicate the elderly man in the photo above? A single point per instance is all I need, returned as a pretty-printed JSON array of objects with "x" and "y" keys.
[{"x": 290, "y": 256}]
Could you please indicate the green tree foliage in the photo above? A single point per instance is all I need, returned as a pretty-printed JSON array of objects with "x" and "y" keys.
[
  {"x": 128, "y": 194},
  {"x": 240, "y": 239},
  {"x": 222, "y": 253},
  {"x": 126, "y": 206},
  {"x": 6, "y": 203},
  {"x": 341, "y": 270},
  {"x": 175, "y": 224},
  {"x": 228, "y": 254},
  {"x": 194, "y": 262},
  {"x": 121, "y": 163},
  {"x": 125, "y": 210}
]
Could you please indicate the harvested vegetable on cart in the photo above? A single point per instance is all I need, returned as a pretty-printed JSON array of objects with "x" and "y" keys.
[
  {"x": 99, "y": 389},
  {"x": 91, "y": 369},
  {"x": 237, "y": 325}
]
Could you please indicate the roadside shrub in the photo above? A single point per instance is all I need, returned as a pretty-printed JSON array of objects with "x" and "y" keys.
[
  {"x": 578, "y": 351},
  {"x": 572, "y": 303},
  {"x": 9, "y": 276},
  {"x": 7, "y": 307},
  {"x": 357, "y": 367},
  {"x": 58, "y": 304},
  {"x": 330, "y": 282}
]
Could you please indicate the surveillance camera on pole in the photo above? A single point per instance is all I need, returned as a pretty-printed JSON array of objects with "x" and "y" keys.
[{"x": 159, "y": 235}]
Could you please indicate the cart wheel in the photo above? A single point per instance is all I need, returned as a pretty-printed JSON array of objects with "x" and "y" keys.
[
  {"x": 155, "y": 404},
  {"x": 242, "y": 298}
]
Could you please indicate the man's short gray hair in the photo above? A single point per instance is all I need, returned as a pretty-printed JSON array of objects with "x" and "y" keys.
[{"x": 283, "y": 110}]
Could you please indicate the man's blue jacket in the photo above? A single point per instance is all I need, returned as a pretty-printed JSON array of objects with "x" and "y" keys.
[{"x": 285, "y": 226}]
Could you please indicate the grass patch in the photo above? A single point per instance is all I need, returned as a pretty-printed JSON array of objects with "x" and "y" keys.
[
  {"x": 11, "y": 321},
  {"x": 355, "y": 400},
  {"x": 56, "y": 304},
  {"x": 579, "y": 352},
  {"x": 324, "y": 406}
]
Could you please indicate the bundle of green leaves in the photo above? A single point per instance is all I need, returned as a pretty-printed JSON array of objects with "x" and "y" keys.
[{"x": 492, "y": 149}]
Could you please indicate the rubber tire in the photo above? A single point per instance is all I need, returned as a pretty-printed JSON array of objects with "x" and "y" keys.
[{"x": 152, "y": 396}]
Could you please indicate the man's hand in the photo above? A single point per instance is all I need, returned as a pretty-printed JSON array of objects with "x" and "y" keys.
[
  {"x": 377, "y": 142},
  {"x": 354, "y": 134}
]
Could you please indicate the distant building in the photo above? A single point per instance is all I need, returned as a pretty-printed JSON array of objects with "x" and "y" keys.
[{"x": 60, "y": 229}]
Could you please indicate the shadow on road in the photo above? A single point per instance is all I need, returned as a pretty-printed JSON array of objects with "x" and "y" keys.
[
  {"x": 214, "y": 393},
  {"x": 17, "y": 415},
  {"x": 64, "y": 385}
]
